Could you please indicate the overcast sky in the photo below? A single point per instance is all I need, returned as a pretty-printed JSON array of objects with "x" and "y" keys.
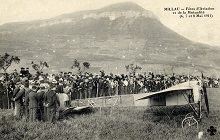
[{"x": 205, "y": 30}]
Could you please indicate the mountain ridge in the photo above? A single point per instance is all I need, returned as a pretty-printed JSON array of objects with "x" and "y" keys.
[
  {"x": 122, "y": 6},
  {"x": 128, "y": 10},
  {"x": 106, "y": 36}
]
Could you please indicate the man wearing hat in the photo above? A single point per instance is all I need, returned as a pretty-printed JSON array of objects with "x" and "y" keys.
[
  {"x": 18, "y": 95},
  {"x": 51, "y": 102},
  {"x": 33, "y": 104},
  {"x": 90, "y": 87},
  {"x": 15, "y": 91},
  {"x": 59, "y": 88},
  {"x": 26, "y": 101},
  {"x": 40, "y": 100},
  {"x": 74, "y": 90},
  {"x": 2, "y": 93},
  {"x": 22, "y": 72},
  {"x": 101, "y": 87}
]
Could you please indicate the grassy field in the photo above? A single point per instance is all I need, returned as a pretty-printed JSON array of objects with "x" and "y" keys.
[{"x": 130, "y": 123}]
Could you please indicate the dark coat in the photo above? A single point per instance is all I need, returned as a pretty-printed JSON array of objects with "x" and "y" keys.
[
  {"x": 19, "y": 96},
  {"x": 40, "y": 97},
  {"x": 59, "y": 89},
  {"x": 2, "y": 88},
  {"x": 16, "y": 90},
  {"x": 51, "y": 99},
  {"x": 33, "y": 99},
  {"x": 27, "y": 91}
]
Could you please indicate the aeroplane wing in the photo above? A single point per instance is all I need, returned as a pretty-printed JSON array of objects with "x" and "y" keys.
[
  {"x": 180, "y": 87},
  {"x": 81, "y": 108},
  {"x": 75, "y": 109}
]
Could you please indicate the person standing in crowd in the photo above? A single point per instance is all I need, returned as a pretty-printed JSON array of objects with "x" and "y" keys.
[
  {"x": 11, "y": 87},
  {"x": 125, "y": 85},
  {"x": 141, "y": 86},
  {"x": 26, "y": 102},
  {"x": 116, "y": 87},
  {"x": 85, "y": 88},
  {"x": 136, "y": 86},
  {"x": 51, "y": 102},
  {"x": 111, "y": 87},
  {"x": 68, "y": 90},
  {"x": 2, "y": 95},
  {"x": 106, "y": 86},
  {"x": 40, "y": 100},
  {"x": 33, "y": 104},
  {"x": 59, "y": 88},
  {"x": 80, "y": 88},
  {"x": 19, "y": 93},
  {"x": 74, "y": 90},
  {"x": 131, "y": 86},
  {"x": 25, "y": 81},
  {"x": 90, "y": 86},
  {"x": 101, "y": 87},
  {"x": 67, "y": 95},
  {"x": 121, "y": 87},
  {"x": 95, "y": 90},
  {"x": 16, "y": 90}
]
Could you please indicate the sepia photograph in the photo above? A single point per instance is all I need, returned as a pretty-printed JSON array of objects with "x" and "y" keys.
[{"x": 109, "y": 70}]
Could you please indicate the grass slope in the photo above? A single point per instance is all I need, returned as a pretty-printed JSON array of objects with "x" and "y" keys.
[{"x": 130, "y": 123}]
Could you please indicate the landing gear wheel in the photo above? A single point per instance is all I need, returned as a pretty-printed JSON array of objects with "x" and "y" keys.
[{"x": 190, "y": 122}]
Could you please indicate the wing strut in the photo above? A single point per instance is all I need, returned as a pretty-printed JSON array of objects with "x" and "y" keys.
[
  {"x": 193, "y": 108},
  {"x": 205, "y": 96}
]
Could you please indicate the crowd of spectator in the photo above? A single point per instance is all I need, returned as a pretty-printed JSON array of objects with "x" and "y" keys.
[
  {"x": 88, "y": 85},
  {"x": 35, "y": 96}
]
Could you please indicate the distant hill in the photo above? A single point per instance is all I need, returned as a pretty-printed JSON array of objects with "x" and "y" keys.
[{"x": 109, "y": 37}]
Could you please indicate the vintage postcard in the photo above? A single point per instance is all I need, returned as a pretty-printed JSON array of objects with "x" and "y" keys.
[{"x": 100, "y": 69}]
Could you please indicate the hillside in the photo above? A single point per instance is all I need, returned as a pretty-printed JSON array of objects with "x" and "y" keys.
[{"x": 110, "y": 37}]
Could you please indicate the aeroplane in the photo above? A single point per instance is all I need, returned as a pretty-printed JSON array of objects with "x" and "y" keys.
[{"x": 189, "y": 93}]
